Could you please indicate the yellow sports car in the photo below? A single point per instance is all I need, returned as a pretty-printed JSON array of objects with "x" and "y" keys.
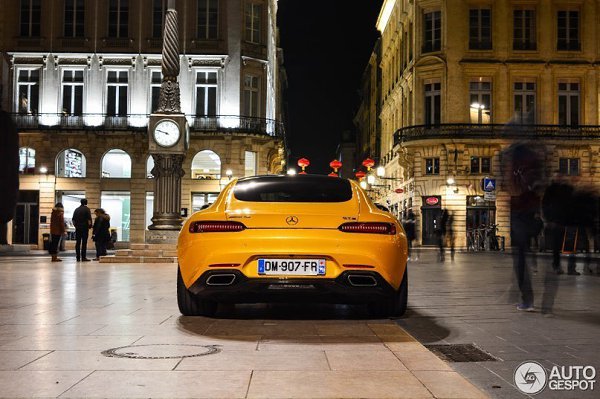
[{"x": 286, "y": 238}]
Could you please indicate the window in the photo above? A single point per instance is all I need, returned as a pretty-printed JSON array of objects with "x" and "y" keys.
[
  {"x": 524, "y": 30},
  {"x": 432, "y": 166},
  {"x": 433, "y": 105},
  {"x": 249, "y": 163},
  {"x": 74, "y": 18},
  {"x": 116, "y": 164},
  {"x": 481, "y": 165},
  {"x": 253, "y": 17},
  {"x": 118, "y": 18},
  {"x": 524, "y": 102},
  {"x": 26, "y": 160},
  {"x": 70, "y": 163},
  {"x": 116, "y": 102},
  {"x": 72, "y": 93},
  {"x": 251, "y": 96},
  {"x": 159, "y": 11},
  {"x": 31, "y": 14},
  {"x": 201, "y": 199},
  {"x": 155, "y": 83},
  {"x": 480, "y": 29},
  {"x": 432, "y": 40},
  {"x": 568, "y": 30},
  {"x": 118, "y": 205},
  {"x": 569, "y": 166},
  {"x": 208, "y": 19},
  {"x": 480, "y": 99},
  {"x": 206, "y": 93},
  {"x": 568, "y": 104},
  {"x": 149, "y": 167},
  {"x": 28, "y": 91},
  {"x": 149, "y": 207},
  {"x": 206, "y": 165}
]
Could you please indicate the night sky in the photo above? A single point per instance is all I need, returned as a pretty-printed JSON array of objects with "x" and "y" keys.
[{"x": 326, "y": 46}]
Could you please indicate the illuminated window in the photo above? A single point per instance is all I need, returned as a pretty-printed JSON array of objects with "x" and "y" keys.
[
  {"x": 432, "y": 166},
  {"x": 250, "y": 163},
  {"x": 206, "y": 165},
  {"x": 117, "y": 205},
  {"x": 208, "y": 19},
  {"x": 116, "y": 164},
  {"x": 74, "y": 18},
  {"x": 480, "y": 100},
  {"x": 253, "y": 20},
  {"x": 149, "y": 167},
  {"x": 31, "y": 12},
  {"x": 70, "y": 163},
  {"x": 26, "y": 160},
  {"x": 28, "y": 91},
  {"x": 118, "y": 18}
]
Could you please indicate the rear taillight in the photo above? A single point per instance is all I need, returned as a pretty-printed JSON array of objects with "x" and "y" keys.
[
  {"x": 369, "y": 228},
  {"x": 215, "y": 227}
]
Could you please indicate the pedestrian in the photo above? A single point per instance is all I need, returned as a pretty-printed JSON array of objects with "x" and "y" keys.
[
  {"x": 57, "y": 229},
  {"x": 101, "y": 232},
  {"x": 440, "y": 232},
  {"x": 555, "y": 211},
  {"x": 82, "y": 220},
  {"x": 409, "y": 229},
  {"x": 450, "y": 232}
]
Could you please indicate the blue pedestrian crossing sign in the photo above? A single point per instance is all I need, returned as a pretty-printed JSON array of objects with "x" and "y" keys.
[{"x": 489, "y": 185}]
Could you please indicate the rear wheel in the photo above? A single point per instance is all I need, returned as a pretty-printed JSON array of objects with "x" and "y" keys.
[
  {"x": 189, "y": 304},
  {"x": 395, "y": 305}
]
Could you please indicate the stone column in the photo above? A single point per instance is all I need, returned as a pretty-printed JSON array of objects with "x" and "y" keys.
[{"x": 167, "y": 174}]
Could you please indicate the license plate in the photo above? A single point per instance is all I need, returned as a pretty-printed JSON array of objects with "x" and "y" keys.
[{"x": 293, "y": 267}]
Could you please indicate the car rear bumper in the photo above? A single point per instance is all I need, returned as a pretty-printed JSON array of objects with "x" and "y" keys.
[{"x": 230, "y": 285}]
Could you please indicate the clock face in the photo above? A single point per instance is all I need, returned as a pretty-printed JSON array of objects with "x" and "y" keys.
[{"x": 166, "y": 133}]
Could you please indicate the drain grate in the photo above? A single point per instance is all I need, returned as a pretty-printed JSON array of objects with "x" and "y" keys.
[
  {"x": 461, "y": 353},
  {"x": 162, "y": 351}
]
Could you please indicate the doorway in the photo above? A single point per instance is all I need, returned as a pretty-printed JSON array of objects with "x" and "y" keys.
[
  {"x": 430, "y": 211},
  {"x": 25, "y": 224}
]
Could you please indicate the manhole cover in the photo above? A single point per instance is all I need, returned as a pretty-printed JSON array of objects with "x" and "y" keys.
[
  {"x": 162, "y": 351},
  {"x": 461, "y": 353}
]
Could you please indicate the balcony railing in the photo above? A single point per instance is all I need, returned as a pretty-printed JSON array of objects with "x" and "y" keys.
[
  {"x": 198, "y": 124},
  {"x": 496, "y": 131}
]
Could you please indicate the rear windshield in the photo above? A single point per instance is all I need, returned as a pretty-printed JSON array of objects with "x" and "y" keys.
[{"x": 293, "y": 189}]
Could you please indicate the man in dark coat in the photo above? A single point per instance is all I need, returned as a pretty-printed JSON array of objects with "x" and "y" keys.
[
  {"x": 9, "y": 172},
  {"x": 82, "y": 220}
]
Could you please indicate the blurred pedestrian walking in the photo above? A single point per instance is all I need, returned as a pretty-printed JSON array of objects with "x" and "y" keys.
[
  {"x": 101, "y": 232},
  {"x": 409, "y": 229},
  {"x": 57, "y": 229}
]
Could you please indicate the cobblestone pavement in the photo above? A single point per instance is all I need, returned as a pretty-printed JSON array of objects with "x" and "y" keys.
[
  {"x": 113, "y": 330},
  {"x": 472, "y": 300}
]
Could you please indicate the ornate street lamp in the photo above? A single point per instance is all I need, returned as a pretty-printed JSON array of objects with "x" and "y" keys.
[
  {"x": 368, "y": 163},
  {"x": 360, "y": 175},
  {"x": 303, "y": 163}
]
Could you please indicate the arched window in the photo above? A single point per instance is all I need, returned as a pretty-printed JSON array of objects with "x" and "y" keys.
[
  {"x": 26, "y": 160},
  {"x": 149, "y": 167},
  {"x": 206, "y": 165},
  {"x": 116, "y": 164},
  {"x": 70, "y": 163}
]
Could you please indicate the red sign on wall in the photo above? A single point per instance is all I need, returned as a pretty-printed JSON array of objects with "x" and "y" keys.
[{"x": 432, "y": 201}]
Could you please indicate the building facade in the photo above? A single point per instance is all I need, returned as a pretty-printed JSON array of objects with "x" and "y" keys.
[
  {"x": 82, "y": 76},
  {"x": 463, "y": 80}
]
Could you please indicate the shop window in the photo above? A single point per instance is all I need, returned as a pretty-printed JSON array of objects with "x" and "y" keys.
[
  {"x": 432, "y": 166},
  {"x": 568, "y": 166},
  {"x": 481, "y": 165},
  {"x": 26, "y": 160},
  {"x": 206, "y": 165},
  {"x": 149, "y": 208},
  {"x": 71, "y": 200},
  {"x": 149, "y": 167},
  {"x": 201, "y": 199},
  {"x": 116, "y": 164},
  {"x": 70, "y": 163},
  {"x": 250, "y": 163},
  {"x": 118, "y": 205}
]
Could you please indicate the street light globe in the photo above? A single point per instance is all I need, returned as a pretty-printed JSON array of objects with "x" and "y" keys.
[
  {"x": 43, "y": 170},
  {"x": 363, "y": 185},
  {"x": 475, "y": 105},
  {"x": 291, "y": 171},
  {"x": 380, "y": 171},
  {"x": 229, "y": 173},
  {"x": 371, "y": 179},
  {"x": 450, "y": 181}
]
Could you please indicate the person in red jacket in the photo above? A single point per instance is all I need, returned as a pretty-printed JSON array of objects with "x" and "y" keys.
[{"x": 57, "y": 229}]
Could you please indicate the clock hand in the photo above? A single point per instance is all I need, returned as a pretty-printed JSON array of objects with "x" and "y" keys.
[{"x": 162, "y": 131}]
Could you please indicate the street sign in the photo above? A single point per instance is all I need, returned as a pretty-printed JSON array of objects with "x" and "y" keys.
[
  {"x": 489, "y": 185},
  {"x": 399, "y": 190},
  {"x": 489, "y": 196}
]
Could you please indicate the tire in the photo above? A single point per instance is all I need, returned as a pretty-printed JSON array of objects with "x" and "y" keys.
[
  {"x": 394, "y": 306},
  {"x": 189, "y": 304}
]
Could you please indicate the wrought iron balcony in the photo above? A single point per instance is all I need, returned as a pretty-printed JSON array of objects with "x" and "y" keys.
[
  {"x": 198, "y": 124},
  {"x": 495, "y": 131}
]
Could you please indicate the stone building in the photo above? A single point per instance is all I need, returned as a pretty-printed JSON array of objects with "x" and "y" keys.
[
  {"x": 463, "y": 80},
  {"x": 82, "y": 76}
]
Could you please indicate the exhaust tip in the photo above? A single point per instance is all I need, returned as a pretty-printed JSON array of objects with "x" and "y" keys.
[
  {"x": 220, "y": 279},
  {"x": 359, "y": 280}
]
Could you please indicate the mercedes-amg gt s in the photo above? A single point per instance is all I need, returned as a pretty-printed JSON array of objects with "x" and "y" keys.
[{"x": 292, "y": 238}]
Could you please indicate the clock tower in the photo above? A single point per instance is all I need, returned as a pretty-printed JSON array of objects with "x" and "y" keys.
[{"x": 168, "y": 140}]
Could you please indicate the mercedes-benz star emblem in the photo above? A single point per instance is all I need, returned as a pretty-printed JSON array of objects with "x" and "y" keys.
[{"x": 292, "y": 220}]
